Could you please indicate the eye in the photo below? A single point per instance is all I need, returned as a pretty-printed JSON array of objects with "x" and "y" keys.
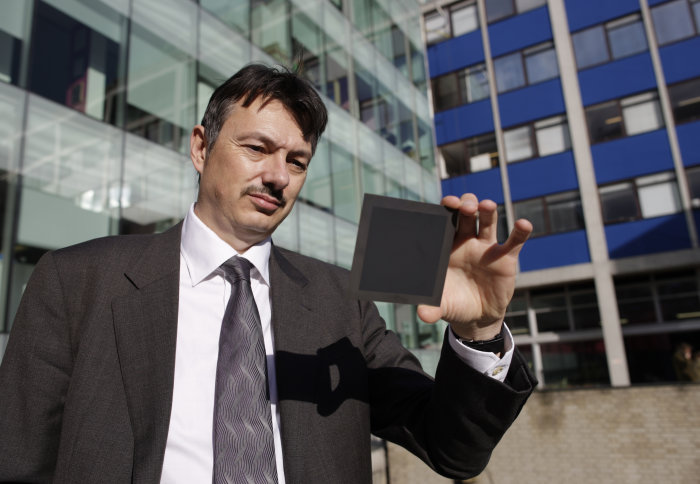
[
  {"x": 297, "y": 166},
  {"x": 256, "y": 148}
]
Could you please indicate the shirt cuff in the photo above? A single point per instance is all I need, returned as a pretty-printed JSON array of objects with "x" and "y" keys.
[{"x": 485, "y": 362}]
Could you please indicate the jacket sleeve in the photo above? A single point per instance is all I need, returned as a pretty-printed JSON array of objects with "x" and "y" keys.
[
  {"x": 453, "y": 422},
  {"x": 34, "y": 378}
]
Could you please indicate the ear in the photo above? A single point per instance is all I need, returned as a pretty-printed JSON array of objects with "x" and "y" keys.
[{"x": 198, "y": 148}]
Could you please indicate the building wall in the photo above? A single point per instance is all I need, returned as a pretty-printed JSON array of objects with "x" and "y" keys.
[
  {"x": 628, "y": 435},
  {"x": 581, "y": 116}
]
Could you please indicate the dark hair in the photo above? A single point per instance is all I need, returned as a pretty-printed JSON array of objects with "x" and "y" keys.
[{"x": 270, "y": 83}]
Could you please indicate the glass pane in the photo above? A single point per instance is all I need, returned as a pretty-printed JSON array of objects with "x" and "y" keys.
[
  {"x": 541, "y": 65},
  {"x": 270, "y": 29},
  {"x": 604, "y": 122},
  {"x": 509, "y": 72},
  {"x": 672, "y": 21},
  {"x": 455, "y": 158},
  {"x": 345, "y": 236},
  {"x": 85, "y": 72},
  {"x": 650, "y": 358},
  {"x": 574, "y": 364},
  {"x": 345, "y": 202},
  {"x": 525, "y": 5},
  {"x": 696, "y": 13},
  {"x": 498, "y": 9},
  {"x": 565, "y": 212},
  {"x": 553, "y": 321},
  {"x": 162, "y": 85},
  {"x": 158, "y": 187},
  {"x": 693, "y": 177},
  {"x": 287, "y": 233},
  {"x": 13, "y": 38},
  {"x": 235, "y": 14},
  {"x": 482, "y": 152},
  {"x": 445, "y": 94},
  {"x": 660, "y": 199},
  {"x": 590, "y": 47},
  {"x": 436, "y": 27},
  {"x": 627, "y": 39},
  {"x": 464, "y": 19},
  {"x": 474, "y": 84},
  {"x": 316, "y": 238},
  {"x": 534, "y": 212},
  {"x": 685, "y": 100},
  {"x": 642, "y": 117},
  {"x": 680, "y": 308},
  {"x": 70, "y": 177},
  {"x": 518, "y": 144},
  {"x": 586, "y": 317},
  {"x": 552, "y": 139},
  {"x": 317, "y": 187},
  {"x": 517, "y": 324},
  {"x": 618, "y": 203}
]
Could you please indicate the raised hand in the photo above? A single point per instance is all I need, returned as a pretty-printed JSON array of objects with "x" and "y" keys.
[{"x": 481, "y": 273}]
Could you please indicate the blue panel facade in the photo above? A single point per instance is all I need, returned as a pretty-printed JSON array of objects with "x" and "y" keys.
[
  {"x": 542, "y": 176},
  {"x": 681, "y": 60},
  {"x": 649, "y": 236},
  {"x": 462, "y": 51},
  {"x": 520, "y": 31},
  {"x": 531, "y": 103},
  {"x": 555, "y": 251},
  {"x": 632, "y": 156},
  {"x": 584, "y": 13},
  {"x": 617, "y": 79},
  {"x": 484, "y": 184},
  {"x": 463, "y": 122},
  {"x": 689, "y": 141}
]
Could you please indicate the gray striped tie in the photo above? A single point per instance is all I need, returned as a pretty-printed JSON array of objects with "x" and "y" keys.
[{"x": 244, "y": 448}]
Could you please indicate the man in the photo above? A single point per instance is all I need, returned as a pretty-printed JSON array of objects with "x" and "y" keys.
[{"x": 111, "y": 371}]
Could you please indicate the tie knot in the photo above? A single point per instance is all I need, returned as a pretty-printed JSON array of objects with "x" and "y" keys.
[{"x": 237, "y": 268}]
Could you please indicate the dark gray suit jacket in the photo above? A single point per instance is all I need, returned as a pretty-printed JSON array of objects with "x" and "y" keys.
[{"x": 87, "y": 379}]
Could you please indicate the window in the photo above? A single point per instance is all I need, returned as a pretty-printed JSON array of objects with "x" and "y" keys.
[
  {"x": 461, "y": 87},
  {"x": 685, "y": 100},
  {"x": 629, "y": 116},
  {"x": 643, "y": 197},
  {"x": 552, "y": 214},
  {"x": 453, "y": 21},
  {"x": 551, "y": 135},
  {"x": 613, "y": 40},
  {"x": 693, "y": 177},
  {"x": 471, "y": 155},
  {"x": 581, "y": 363},
  {"x": 673, "y": 21},
  {"x": 530, "y": 66},
  {"x": 500, "y": 9}
]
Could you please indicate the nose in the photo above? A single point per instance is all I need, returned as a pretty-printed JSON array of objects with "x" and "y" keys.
[{"x": 275, "y": 174}]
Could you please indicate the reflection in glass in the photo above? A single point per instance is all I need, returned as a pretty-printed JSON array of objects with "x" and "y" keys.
[
  {"x": 685, "y": 100},
  {"x": 658, "y": 195},
  {"x": 498, "y": 9},
  {"x": 235, "y": 14},
  {"x": 518, "y": 144},
  {"x": 641, "y": 113},
  {"x": 552, "y": 135},
  {"x": 85, "y": 70},
  {"x": 464, "y": 18},
  {"x": 565, "y": 212},
  {"x": 270, "y": 29},
  {"x": 436, "y": 27},
  {"x": 509, "y": 72},
  {"x": 672, "y": 21},
  {"x": 580, "y": 363},
  {"x": 534, "y": 212},
  {"x": 627, "y": 37},
  {"x": 604, "y": 122},
  {"x": 590, "y": 47},
  {"x": 541, "y": 63},
  {"x": 474, "y": 83},
  {"x": 618, "y": 202},
  {"x": 13, "y": 38}
]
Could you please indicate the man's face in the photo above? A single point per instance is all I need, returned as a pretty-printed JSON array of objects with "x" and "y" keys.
[{"x": 252, "y": 176}]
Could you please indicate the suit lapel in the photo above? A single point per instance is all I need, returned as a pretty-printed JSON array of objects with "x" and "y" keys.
[
  {"x": 295, "y": 352},
  {"x": 145, "y": 323}
]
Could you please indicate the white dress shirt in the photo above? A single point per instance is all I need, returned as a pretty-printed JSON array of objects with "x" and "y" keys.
[{"x": 204, "y": 293}]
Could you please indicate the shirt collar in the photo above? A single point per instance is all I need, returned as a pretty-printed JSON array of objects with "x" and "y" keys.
[{"x": 204, "y": 251}]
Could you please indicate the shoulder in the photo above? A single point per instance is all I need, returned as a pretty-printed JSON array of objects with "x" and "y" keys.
[{"x": 308, "y": 266}]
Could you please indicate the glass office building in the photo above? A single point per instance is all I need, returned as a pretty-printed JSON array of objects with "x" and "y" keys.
[
  {"x": 584, "y": 117},
  {"x": 97, "y": 100}
]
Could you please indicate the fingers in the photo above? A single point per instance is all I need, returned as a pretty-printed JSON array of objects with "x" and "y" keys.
[
  {"x": 475, "y": 216},
  {"x": 520, "y": 233},
  {"x": 429, "y": 314}
]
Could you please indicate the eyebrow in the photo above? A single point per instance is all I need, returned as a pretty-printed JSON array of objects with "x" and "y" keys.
[{"x": 270, "y": 142}]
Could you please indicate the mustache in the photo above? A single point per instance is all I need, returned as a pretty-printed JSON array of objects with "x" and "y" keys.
[{"x": 277, "y": 194}]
